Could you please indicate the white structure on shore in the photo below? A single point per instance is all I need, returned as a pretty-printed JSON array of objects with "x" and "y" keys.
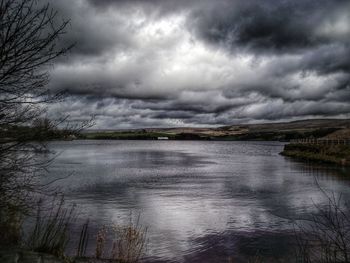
[{"x": 163, "y": 138}]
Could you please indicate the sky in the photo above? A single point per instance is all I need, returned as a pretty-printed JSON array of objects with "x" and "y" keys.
[{"x": 171, "y": 63}]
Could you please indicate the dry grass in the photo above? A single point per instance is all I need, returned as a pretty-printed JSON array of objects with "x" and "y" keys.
[
  {"x": 129, "y": 242},
  {"x": 100, "y": 242}
]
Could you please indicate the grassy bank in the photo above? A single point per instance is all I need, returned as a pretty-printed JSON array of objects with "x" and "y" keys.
[{"x": 336, "y": 154}]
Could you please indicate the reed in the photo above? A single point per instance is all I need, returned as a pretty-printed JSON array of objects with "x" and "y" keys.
[
  {"x": 83, "y": 240},
  {"x": 50, "y": 233}
]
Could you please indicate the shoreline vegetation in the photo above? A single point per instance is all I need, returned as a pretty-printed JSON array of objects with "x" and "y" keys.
[
  {"x": 48, "y": 233},
  {"x": 332, "y": 154}
]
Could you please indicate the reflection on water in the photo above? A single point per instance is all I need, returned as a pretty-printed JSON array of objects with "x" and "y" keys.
[{"x": 202, "y": 201}]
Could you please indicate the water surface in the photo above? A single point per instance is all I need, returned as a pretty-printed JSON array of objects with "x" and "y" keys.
[{"x": 202, "y": 201}]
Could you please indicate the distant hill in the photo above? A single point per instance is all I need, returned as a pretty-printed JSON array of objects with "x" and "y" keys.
[{"x": 318, "y": 128}]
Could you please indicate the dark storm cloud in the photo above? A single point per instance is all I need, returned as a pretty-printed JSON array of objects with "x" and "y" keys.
[
  {"x": 271, "y": 25},
  {"x": 159, "y": 7},
  {"x": 328, "y": 59},
  {"x": 172, "y": 63}
]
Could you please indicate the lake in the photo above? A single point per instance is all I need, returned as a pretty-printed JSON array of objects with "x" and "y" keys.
[{"x": 202, "y": 201}]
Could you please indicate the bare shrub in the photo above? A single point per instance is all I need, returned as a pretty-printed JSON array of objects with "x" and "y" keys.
[
  {"x": 28, "y": 46},
  {"x": 30, "y": 32},
  {"x": 129, "y": 242},
  {"x": 325, "y": 236}
]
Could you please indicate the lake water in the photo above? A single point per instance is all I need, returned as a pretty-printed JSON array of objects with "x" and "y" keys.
[{"x": 202, "y": 201}]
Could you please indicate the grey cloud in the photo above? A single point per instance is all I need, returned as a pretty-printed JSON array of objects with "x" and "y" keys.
[
  {"x": 176, "y": 63},
  {"x": 93, "y": 33}
]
